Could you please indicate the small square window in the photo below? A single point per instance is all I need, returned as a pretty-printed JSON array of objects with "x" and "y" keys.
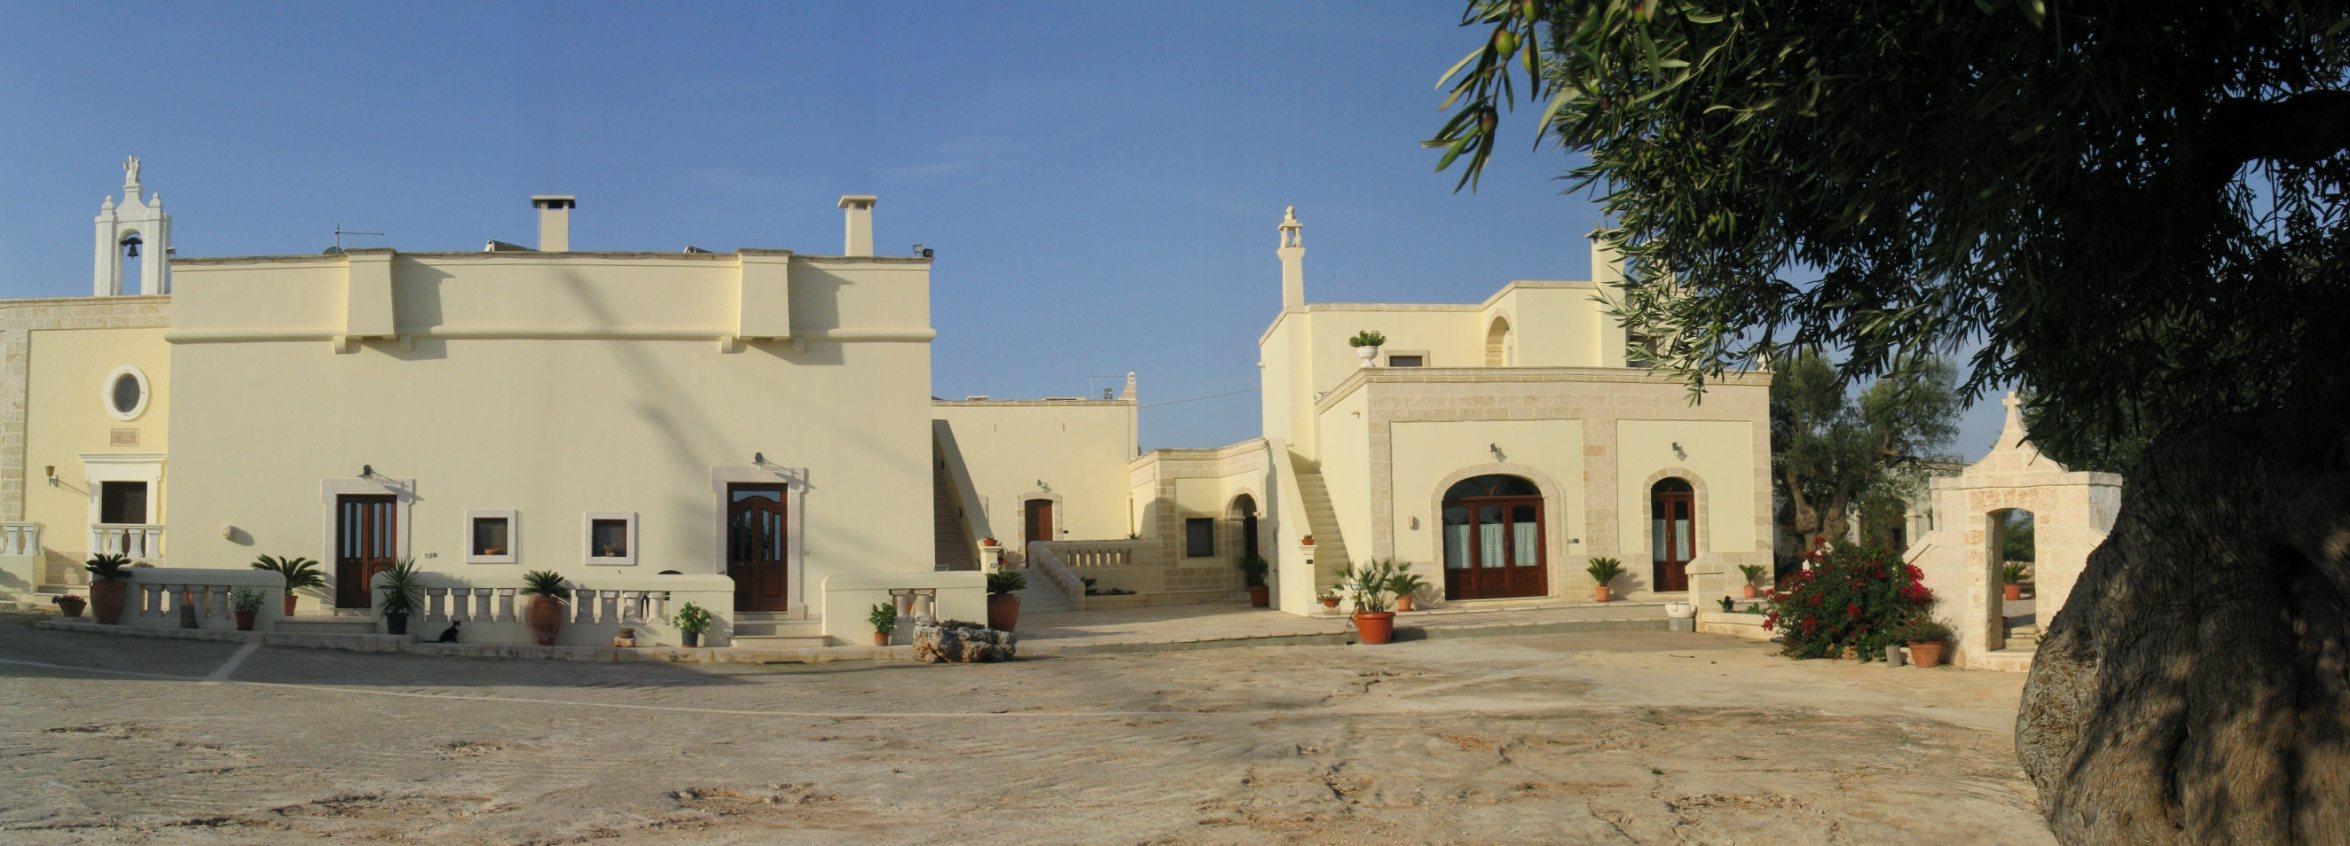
[
  {"x": 1199, "y": 537},
  {"x": 489, "y": 537},
  {"x": 611, "y": 538}
]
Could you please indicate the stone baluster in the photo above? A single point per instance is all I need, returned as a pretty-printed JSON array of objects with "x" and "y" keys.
[
  {"x": 505, "y": 605},
  {"x": 433, "y": 598}
]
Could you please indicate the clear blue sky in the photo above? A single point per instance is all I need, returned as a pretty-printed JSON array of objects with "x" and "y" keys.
[{"x": 1101, "y": 182}]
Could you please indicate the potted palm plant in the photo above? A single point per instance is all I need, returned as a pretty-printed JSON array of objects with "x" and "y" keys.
[
  {"x": 108, "y": 573},
  {"x": 1367, "y": 344},
  {"x": 1003, "y": 598},
  {"x": 1753, "y": 573},
  {"x": 2011, "y": 580},
  {"x": 1603, "y": 571},
  {"x": 247, "y": 603},
  {"x": 1253, "y": 569},
  {"x": 403, "y": 592},
  {"x": 884, "y": 620},
  {"x": 692, "y": 620},
  {"x": 547, "y": 594},
  {"x": 1405, "y": 584},
  {"x": 1368, "y": 586},
  {"x": 298, "y": 572}
]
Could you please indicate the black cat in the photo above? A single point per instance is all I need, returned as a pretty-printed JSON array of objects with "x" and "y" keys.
[{"x": 449, "y": 635}]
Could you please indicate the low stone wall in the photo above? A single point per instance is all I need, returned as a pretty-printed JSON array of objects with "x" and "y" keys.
[
  {"x": 846, "y": 599},
  {"x": 1736, "y": 624}
]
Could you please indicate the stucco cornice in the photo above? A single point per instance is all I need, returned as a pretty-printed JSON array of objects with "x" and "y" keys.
[{"x": 1506, "y": 375}]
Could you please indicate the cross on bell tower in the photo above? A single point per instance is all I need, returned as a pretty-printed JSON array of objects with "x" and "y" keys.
[{"x": 136, "y": 229}]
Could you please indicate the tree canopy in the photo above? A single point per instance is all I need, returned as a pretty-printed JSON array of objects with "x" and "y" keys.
[
  {"x": 2134, "y": 209},
  {"x": 1833, "y": 449}
]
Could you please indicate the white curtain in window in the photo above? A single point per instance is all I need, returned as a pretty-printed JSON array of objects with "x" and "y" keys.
[
  {"x": 1489, "y": 537},
  {"x": 1527, "y": 543},
  {"x": 1656, "y": 542},
  {"x": 1456, "y": 546}
]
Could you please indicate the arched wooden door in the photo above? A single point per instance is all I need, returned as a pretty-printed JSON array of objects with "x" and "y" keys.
[
  {"x": 1672, "y": 520},
  {"x": 1494, "y": 539}
]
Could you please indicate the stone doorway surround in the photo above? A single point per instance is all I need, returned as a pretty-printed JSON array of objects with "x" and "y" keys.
[{"x": 2072, "y": 512}]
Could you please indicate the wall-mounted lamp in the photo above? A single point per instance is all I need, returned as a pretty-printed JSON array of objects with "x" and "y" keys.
[
  {"x": 758, "y": 459},
  {"x": 1678, "y": 452},
  {"x": 1040, "y": 485},
  {"x": 52, "y": 470},
  {"x": 367, "y": 471},
  {"x": 1496, "y": 450}
]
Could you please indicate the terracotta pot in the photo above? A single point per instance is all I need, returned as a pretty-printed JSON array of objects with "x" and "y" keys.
[
  {"x": 1260, "y": 596},
  {"x": 1377, "y": 627},
  {"x": 290, "y": 603},
  {"x": 1749, "y": 592},
  {"x": 1329, "y": 602},
  {"x": 245, "y": 620},
  {"x": 2012, "y": 592},
  {"x": 1927, "y": 654},
  {"x": 1003, "y": 611},
  {"x": 545, "y": 616},
  {"x": 1403, "y": 603},
  {"x": 106, "y": 597},
  {"x": 693, "y": 639},
  {"x": 881, "y": 638},
  {"x": 71, "y": 606},
  {"x": 1599, "y": 594}
]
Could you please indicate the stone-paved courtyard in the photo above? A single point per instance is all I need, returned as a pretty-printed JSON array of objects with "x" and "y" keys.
[{"x": 1605, "y": 737}]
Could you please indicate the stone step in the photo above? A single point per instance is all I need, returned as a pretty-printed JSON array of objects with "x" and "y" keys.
[
  {"x": 768, "y": 624},
  {"x": 325, "y": 624},
  {"x": 742, "y": 641}
]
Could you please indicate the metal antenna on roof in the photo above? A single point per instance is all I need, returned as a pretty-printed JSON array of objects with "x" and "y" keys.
[{"x": 340, "y": 232}]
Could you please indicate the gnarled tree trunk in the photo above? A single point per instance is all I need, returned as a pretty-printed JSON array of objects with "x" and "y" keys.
[{"x": 2193, "y": 689}]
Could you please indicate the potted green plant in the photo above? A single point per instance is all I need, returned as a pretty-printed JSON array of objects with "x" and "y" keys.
[
  {"x": 1367, "y": 344},
  {"x": 70, "y": 605},
  {"x": 1753, "y": 573},
  {"x": 247, "y": 603},
  {"x": 692, "y": 620},
  {"x": 884, "y": 620},
  {"x": 1003, "y": 598},
  {"x": 1405, "y": 584},
  {"x": 403, "y": 592},
  {"x": 1927, "y": 640},
  {"x": 2011, "y": 580},
  {"x": 1252, "y": 570},
  {"x": 1603, "y": 571},
  {"x": 547, "y": 594},
  {"x": 298, "y": 573},
  {"x": 1328, "y": 598},
  {"x": 108, "y": 574},
  {"x": 1368, "y": 585}
]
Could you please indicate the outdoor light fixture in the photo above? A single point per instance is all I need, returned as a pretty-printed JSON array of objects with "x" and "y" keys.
[
  {"x": 758, "y": 459},
  {"x": 52, "y": 469},
  {"x": 1678, "y": 451},
  {"x": 367, "y": 471}
]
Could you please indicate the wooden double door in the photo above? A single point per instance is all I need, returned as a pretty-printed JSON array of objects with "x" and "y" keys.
[
  {"x": 758, "y": 534},
  {"x": 1672, "y": 520},
  {"x": 1493, "y": 547},
  {"x": 367, "y": 542}
]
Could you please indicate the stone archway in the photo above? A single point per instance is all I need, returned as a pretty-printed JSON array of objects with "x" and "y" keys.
[{"x": 2072, "y": 511}]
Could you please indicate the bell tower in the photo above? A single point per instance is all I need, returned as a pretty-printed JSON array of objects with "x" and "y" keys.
[
  {"x": 137, "y": 229},
  {"x": 1293, "y": 261}
]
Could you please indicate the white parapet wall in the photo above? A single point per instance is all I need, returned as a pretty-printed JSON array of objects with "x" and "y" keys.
[
  {"x": 153, "y": 595},
  {"x": 848, "y": 598},
  {"x": 489, "y": 600}
]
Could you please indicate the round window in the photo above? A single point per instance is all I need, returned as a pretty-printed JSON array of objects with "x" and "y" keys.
[{"x": 126, "y": 393}]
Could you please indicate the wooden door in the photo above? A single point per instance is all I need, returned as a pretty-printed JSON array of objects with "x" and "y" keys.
[
  {"x": 756, "y": 548},
  {"x": 367, "y": 542},
  {"x": 1494, "y": 547},
  {"x": 122, "y": 502},
  {"x": 1039, "y": 521},
  {"x": 1672, "y": 534}
]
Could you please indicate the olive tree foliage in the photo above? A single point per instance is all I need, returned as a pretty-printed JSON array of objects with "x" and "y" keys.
[
  {"x": 2130, "y": 207},
  {"x": 1832, "y": 449},
  {"x": 2136, "y": 211}
]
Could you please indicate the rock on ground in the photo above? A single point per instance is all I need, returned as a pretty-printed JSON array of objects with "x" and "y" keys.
[{"x": 962, "y": 643}]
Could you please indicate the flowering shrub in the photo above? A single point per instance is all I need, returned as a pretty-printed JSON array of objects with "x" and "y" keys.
[{"x": 1848, "y": 597}]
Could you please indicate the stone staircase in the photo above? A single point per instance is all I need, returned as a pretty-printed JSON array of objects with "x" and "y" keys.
[
  {"x": 2023, "y": 639},
  {"x": 1330, "y": 555},
  {"x": 773, "y": 630},
  {"x": 1039, "y": 597},
  {"x": 955, "y": 551}
]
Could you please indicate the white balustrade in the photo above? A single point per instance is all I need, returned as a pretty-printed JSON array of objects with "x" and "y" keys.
[
  {"x": 136, "y": 541},
  {"x": 20, "y": 539}
]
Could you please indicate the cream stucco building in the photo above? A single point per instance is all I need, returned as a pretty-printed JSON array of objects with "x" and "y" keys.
[{"x": 755, "y": 431}]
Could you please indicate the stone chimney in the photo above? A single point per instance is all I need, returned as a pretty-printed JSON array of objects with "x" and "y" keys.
[
  {"x": 554, "y": 221},
  {"x": 1607, "y": 263},
  {"x": 859, "y": 211}
]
